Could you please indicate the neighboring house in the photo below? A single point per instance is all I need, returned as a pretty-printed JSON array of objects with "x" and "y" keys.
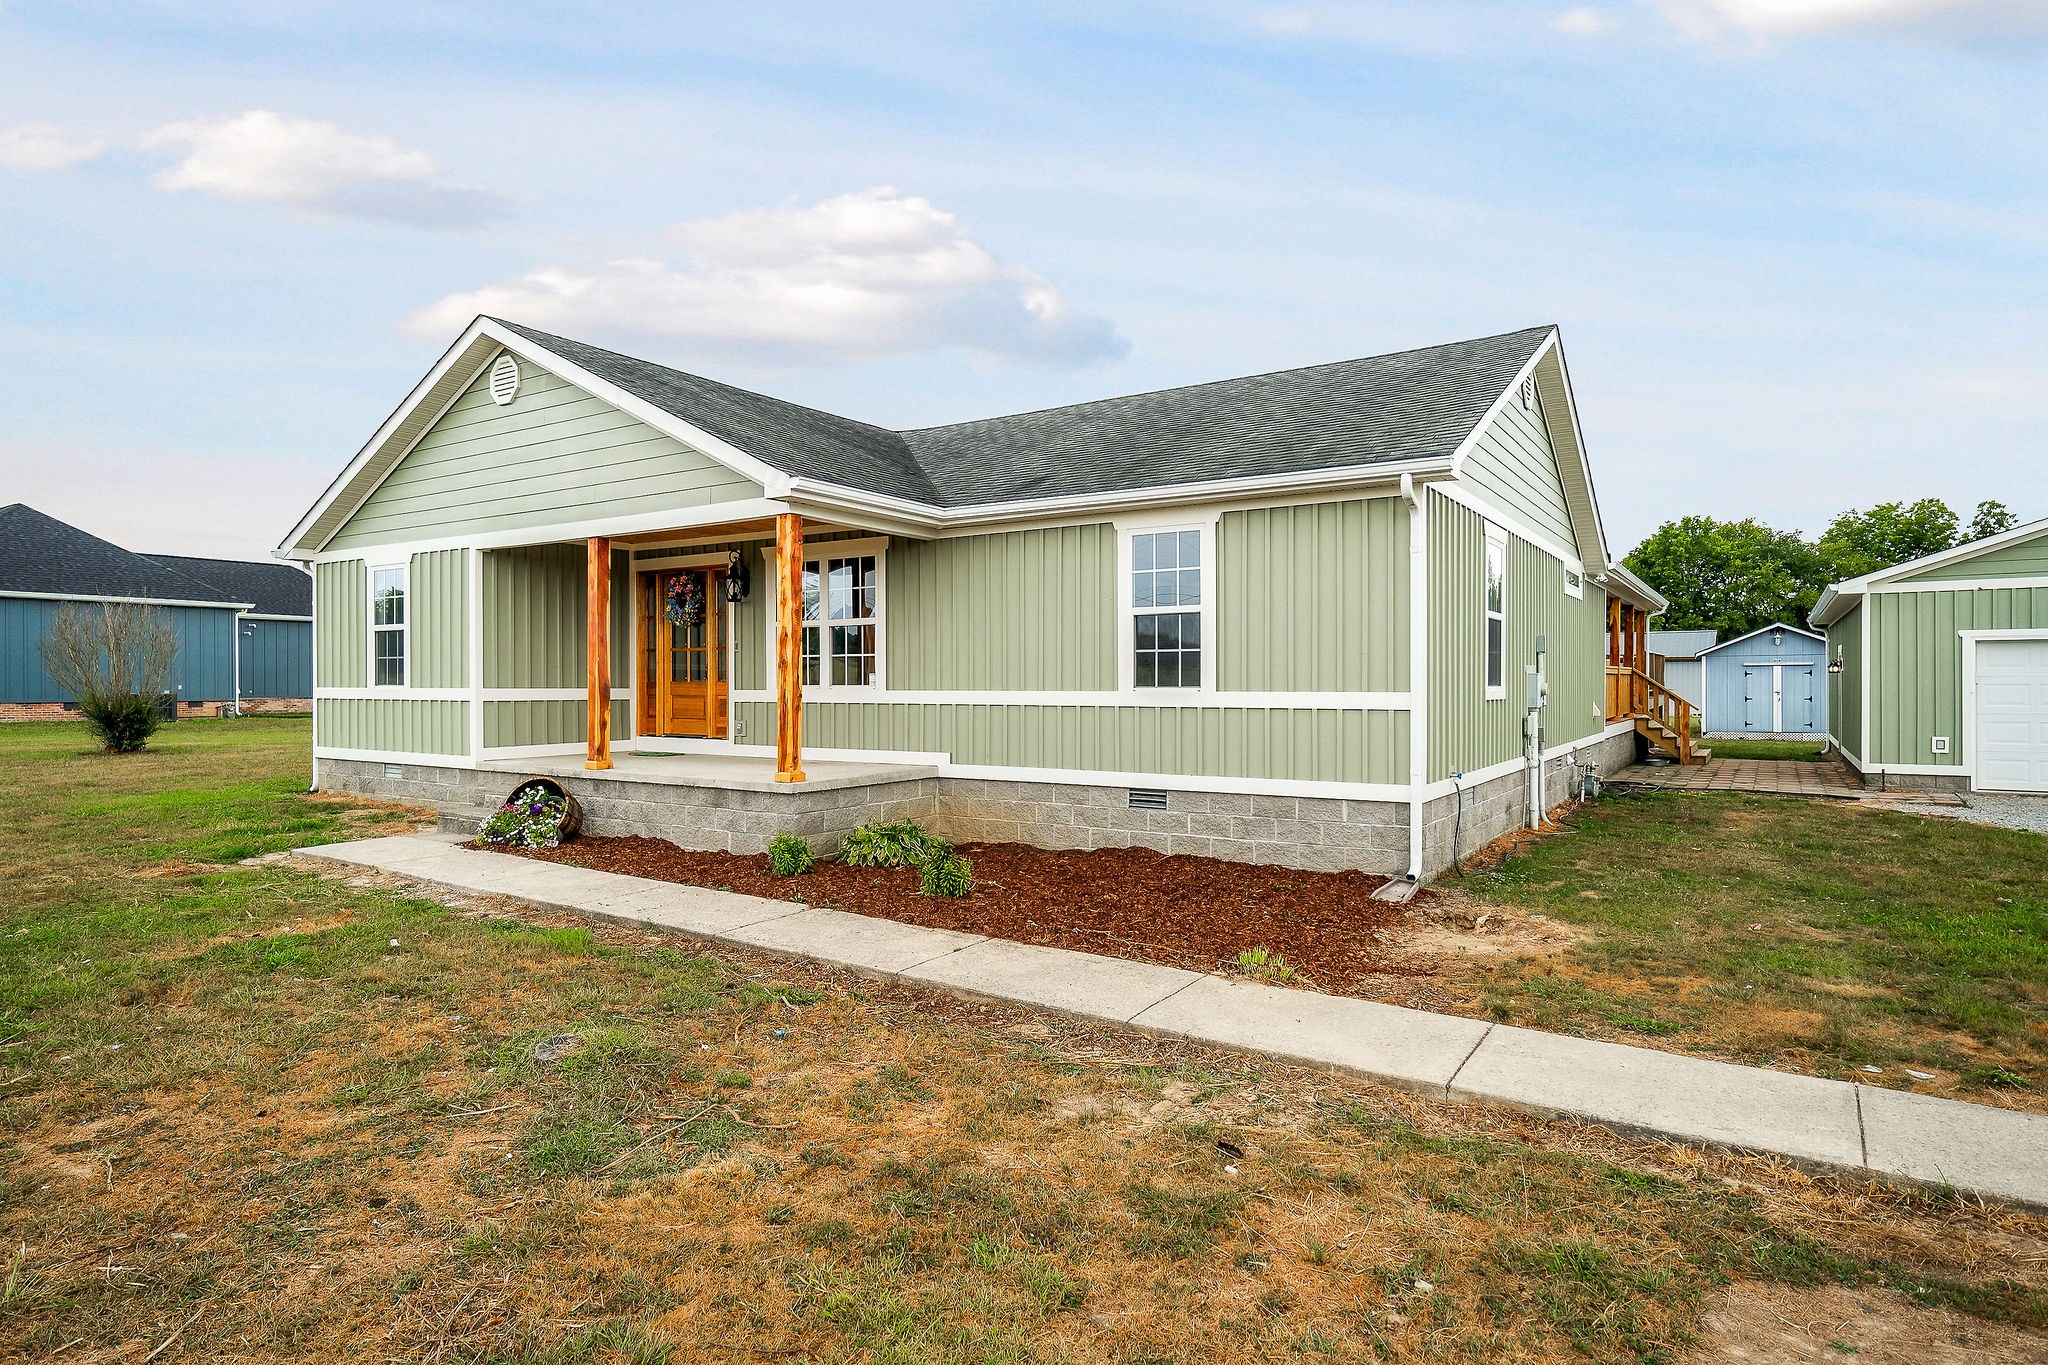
[
  {"x": 1772, "y": 681},
  {"x": 1944, "y": 667},
  {"x": 244, "y": 630},
  {"x": 1284, "y": 618},
  {"x": 1679, "y": 652}
]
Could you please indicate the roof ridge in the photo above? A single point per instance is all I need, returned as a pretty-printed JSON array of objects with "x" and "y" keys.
[{"x": 1229, "y": 379}]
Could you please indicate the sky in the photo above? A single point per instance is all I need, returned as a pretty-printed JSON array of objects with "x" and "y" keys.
[{"x": 1796, "y": 247}]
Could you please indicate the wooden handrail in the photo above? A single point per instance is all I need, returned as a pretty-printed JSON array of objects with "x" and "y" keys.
[{"x": 1634, "y": 695}]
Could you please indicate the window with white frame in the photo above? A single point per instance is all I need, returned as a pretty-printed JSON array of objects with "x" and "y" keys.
[
  {"x": 842, "y": 620},
  {"x": 387, "y": 626},
  {"x": 1496, "y": 614},
  {"x": 1166, "y": 609},
  {"x": 1574, "y": 582}
]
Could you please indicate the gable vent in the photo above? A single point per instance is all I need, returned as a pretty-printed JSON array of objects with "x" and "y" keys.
[
  {"x": 1147, "y": 800},
  {"x": 504, "y": 379}
]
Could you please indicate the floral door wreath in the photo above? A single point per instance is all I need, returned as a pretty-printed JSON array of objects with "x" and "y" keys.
[{"x": 685, "y": 599}]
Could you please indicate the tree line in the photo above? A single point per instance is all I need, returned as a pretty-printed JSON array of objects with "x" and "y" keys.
[{"x": 1732, "y": 577}]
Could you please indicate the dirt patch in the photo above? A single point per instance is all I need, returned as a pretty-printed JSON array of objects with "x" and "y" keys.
[
  {"x": 1177, "y": 911},
  {"x": 1779, "y": 1325}
]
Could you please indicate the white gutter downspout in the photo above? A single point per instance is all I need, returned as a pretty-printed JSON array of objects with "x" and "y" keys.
[
  {"x": 1418, "y": 670},
  {"x": 237, "y": 703},
  {"x": 314, "y": 713}
]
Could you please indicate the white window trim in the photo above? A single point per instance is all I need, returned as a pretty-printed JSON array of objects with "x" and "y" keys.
[
  {"x": 403, "y": 568},
  {"x": 1496, "y": 538},
  {"x": 1127, "y": 610},
  {"x": 818, "y": 552}
]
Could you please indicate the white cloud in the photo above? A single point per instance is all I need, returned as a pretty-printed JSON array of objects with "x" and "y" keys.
[
  {"x": 261, "y": 157},
  {"x": 35, "y": 148},
  {"x": 1757, "y": 20},
  {"x": 856, "y": 276},
  {"x": 1585, "y": 21}
]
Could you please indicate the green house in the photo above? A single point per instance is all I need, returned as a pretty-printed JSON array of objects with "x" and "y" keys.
[
  {"x": 1941, "y": 667},
  {"x": 1299, "y": 617}
]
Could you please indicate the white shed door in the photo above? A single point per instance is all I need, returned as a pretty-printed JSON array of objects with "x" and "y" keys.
[{"x": 2012, "y": 715}]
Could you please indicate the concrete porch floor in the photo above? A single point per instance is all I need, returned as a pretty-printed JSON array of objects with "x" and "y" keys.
[{"x": 727, "y": 772}]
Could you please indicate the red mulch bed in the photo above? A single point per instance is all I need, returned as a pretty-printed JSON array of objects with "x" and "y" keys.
[{"x": 1179, "y": 911}]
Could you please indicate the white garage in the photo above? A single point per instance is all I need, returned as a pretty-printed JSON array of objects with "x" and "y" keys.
[{"x": 2010, "y": 727}]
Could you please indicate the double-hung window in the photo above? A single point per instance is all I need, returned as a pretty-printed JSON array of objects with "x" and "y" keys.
[
  {"x": 1166, "y": 609},
  {"x": 842, "y": 618},
  {"x": 1496, "y": 614},
  {"x": 387, "y": 627}
]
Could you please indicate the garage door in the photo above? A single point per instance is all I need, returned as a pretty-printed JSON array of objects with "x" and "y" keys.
[{"x": 2012, "y": 715}]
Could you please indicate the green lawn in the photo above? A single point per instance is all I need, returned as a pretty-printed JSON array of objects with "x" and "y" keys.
[
  {"x": 1776, "y": 929},
  {"x": 251, "y": 1113},
  {"x": 1790, "y": 750}
]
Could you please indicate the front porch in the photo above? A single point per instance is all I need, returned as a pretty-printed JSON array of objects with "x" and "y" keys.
[
  {"x": 724, "y": 772},
  {"x": 1636, "y": 693}
]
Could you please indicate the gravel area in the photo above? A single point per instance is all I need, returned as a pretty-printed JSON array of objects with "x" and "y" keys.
[{"x": 2009, "y": 809}]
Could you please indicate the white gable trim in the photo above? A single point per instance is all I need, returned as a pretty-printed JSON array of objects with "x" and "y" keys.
[
  {"x": 473, "y": 352},
  {"x": 1560, "y": 411},
  {"x": 1776, "y": 625}
]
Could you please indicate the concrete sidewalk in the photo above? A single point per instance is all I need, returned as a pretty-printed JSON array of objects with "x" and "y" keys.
[{"x": 1838, "y": 1125}]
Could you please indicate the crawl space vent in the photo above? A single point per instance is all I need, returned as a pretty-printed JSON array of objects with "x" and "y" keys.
[
  {"x": 1147, "y": 800},
  {"x": 504, "y": 379}
]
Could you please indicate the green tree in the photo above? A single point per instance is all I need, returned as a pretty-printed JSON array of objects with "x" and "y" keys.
[
  {"x": 1857, "y": 543},
  {"x": 1729, "y": 576},
  {"x": 1993, "y": 518}
]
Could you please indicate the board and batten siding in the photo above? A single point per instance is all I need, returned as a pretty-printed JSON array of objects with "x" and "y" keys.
[
  {"x": 1916, "y": 665},
  {"x": 1023, "y": 610},
  {"x": 1312, "y": 598},
  {"x": 1514, "y": 465},
  {"x": 1303, "y": 744},
  {"x": 277, "y": 658},
  {"x": 1845, "y": 689},
  {"x": 203, "y": 669},
  {"x": 391, "y": 725},
  {"x": 514, "y": 724},
  {"x": 533, "y": 608},
  {"x": 437, "y": 604},
  {"x": 554, "y": 455},
  {"x": 341, "y": 623},
  {"x": 1467, "y": 732}
]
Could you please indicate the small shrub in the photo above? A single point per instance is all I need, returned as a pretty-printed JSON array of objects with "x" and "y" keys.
[
  {"x": 1263, "y": 964},
  {"x": 789, "y": 855},
  {"x": 122, "y": 725},
  {"x": 945, "y": 873},
  {"x": 905, "y": 844}
]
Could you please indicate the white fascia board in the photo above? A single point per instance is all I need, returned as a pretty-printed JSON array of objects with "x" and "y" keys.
[
  {"x": 265, "y": 616},
  {"x": 858, "y": 503},
  {"x": 130, "y": 601},
  {"x": 1824, "y": 613},
  {"x": 1795, "y": 630},
  {"x": 292, "y": 547},
  {"x": 688, "y": 433},
  {"x": 1571, "y": 464},
  {"x": 640, "y": 523}
]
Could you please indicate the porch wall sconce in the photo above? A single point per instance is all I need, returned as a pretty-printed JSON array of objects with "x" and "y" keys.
[
  {"x": 1777, "y": 636},
  {"x": 738, "y": 579},
  {"x": 1835, "y": 664}
]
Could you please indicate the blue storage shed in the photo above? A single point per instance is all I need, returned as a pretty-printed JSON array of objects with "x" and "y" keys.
[
  {"x": 244, "y": 630},
  {"x": 1772, "y": 681}
]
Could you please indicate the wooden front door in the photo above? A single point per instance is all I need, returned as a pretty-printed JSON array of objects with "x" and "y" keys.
[{"x": 683, "y": 649}]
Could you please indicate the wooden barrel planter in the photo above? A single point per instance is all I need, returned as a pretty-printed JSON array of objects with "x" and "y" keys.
[{"x": 572, "y": 814}]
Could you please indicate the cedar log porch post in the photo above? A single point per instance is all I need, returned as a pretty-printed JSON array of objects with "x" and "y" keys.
[
  {"x": 789, "y": 647},
  {"x": 597, "y": 646},
  {"x": 1614, "y": 632}
]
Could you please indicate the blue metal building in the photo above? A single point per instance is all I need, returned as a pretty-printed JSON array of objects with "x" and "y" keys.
[
  {"x": 244, "y": 630},
  {"x": 1772, "y": 681}
]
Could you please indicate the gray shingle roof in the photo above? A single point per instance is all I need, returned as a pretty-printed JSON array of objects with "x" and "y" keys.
[
  {"x": 41, "y": 554},
  {"x": 1407, "y": 405},
  {"x": 276, "y": 589},
  {"x": 1681, "y": 644}
]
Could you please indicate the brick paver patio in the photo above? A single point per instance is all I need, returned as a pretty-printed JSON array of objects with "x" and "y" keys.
[{"x": 1766, "y": 776}]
